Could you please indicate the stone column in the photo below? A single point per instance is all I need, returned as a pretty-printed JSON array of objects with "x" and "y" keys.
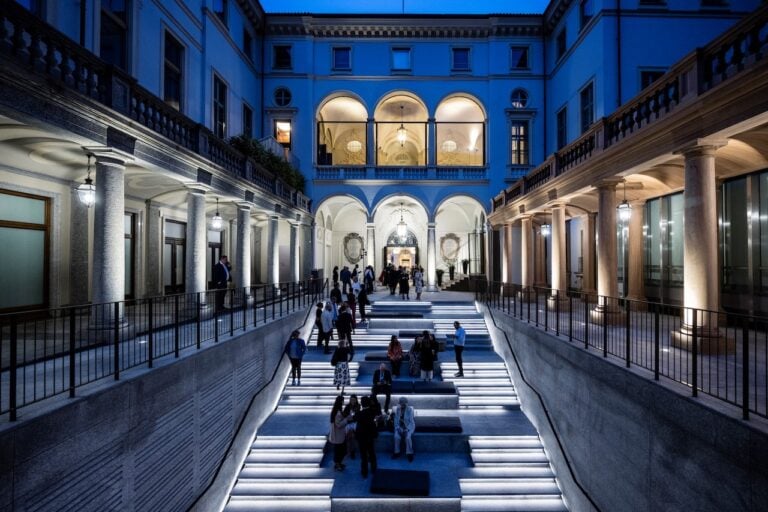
[
  {"x": 273, "y": 251},
  {"x": 588, "y": 255},
  {"x": 634, "y": 271},
  {"x": 242, "y": 272},
  {"x": 607, "y": 266},
  {"x": 506, "y": 253},
  {"x": 526, "y": 252},
  {"x": 78, "y": 250},
  {"x": 197, "y": 243},
  {"x": 431, "y": 257},
  {"x": 370, "y": 243},
  {"x": 108, "y": 278},
  {"x": 539, "y": 259},
  {"x": 153, "y": 284},
  {"x": 559, "y": 277},
  {"x": 295, "y": 250},
  {"x": 700, "y": 258}
]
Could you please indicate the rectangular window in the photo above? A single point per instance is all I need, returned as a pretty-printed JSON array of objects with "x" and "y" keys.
[
  {"x": 519, "y": 57},
  {"x": 173, "y": 72},
  {"x": 283, "y": 133},
  {"x": 586, "y": 11},
  {"x": 460, "y": 59},
  {"x": 113, "y": 43},
  {"x": 281, "y": 57},
  {"x": 647, "y": 77},
  {"x": 401, "y": 59},
  {"x": 562, "y": 127},
  {"x": 518, "y": 141},
  {"x": 248, "y": 45},
  {"x": 342, "y": 59},
  {"x": 735, "y": 235},
  {"x": 219, "y": 107},
  {"x": 247, "y": 121},
  {"x": 587, "y": 104},
  {"x": 24, "y": 238},
  {"x": 561, "y": 44},
  {"x": 220, "y": 10}
]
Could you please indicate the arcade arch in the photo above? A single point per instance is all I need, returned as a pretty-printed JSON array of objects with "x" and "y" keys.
[
  {"x": 342, "y": 132},
  {"x": 401, "y": 131},
  {"x": 460, "y": 234},
  {"x": 460, "y": 132}
]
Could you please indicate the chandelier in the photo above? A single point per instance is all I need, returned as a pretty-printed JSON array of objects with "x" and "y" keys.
[
  {"x": 402, "y": 135},
  {"x": 402, "y": 227}
]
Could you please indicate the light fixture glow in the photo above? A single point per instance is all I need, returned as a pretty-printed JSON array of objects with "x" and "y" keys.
[
  {"x": 546, "y": 230},
  {"x": 449, "y": 146},
  {"x": 402, "y": 227},
  {"x": 354, "y": 146},
  {"x": 624, "y": 209},
  {"x": 402, "y": 134},
  {"x": 86, "y": 192},
  {"x": 217, "y": 223}
]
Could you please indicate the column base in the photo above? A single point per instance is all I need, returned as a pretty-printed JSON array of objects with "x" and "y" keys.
[
  {"x": 710, "y": 340},
  {"x": 561, "y": 302},
  {"x": 608, "y": 314}
]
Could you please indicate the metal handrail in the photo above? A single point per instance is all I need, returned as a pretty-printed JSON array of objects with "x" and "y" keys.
[
  {"x": 717, "y": 353},
  {"x": 50, "y": 352}
]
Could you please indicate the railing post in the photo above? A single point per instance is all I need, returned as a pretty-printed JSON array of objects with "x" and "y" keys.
[
  {"x": 198, "y": 327},
  {"x": 71, "y": 353},
  {"x": 264, "y": 290},
  {"x": 117, "y": 341},
  {"x": 215, "y": 324},
  {"x": 570, "y": 318},
  {"x": 537, "y": 306},
  {"x": 605, "y": 325},
  {"x": 244, "y": 298},
  {"x": 586, "y": 321},
  {"x": 745, "y": 370},
  {"x": 14, "y": 354},
  {"x": 546, "y": 312},
  {"x": 151, "y": 344},
  {"x": 695, "y": 354},
  {"x": 176, "y": 340},
  {"x": 272, "y": 288},
  {"x": 232, "y": 312},
  {"x": 627, "y": 336},
  {"x": 255, "y": 308},
  {"x": 656, "y": 343},
  {"x": 281, "y": 300}
]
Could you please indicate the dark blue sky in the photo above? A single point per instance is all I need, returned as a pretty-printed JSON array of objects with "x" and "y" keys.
[{"x": 406, "y": 6}]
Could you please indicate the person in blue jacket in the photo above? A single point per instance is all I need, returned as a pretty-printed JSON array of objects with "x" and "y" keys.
[{"x": 295, "y": 348}]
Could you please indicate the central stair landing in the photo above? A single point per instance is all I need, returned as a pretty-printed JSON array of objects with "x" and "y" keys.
[{"x": 496, "y": 464}]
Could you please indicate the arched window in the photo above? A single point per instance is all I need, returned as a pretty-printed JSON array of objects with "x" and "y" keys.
[
  {"x": 401, "y": 131},
  {"x": 342, "y": 136},
  {"x": 460, "y": 132}
]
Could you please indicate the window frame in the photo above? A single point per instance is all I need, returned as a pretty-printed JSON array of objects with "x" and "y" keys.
[
  {"x": 247, "y": 109},
  {"x": 277, "y": 120},
  {"x": 454, "y": 67},
  {"x": 512, "y": 100},
  {"x": 561, "y": 44},
  {"x": 277, "y": 48},
  {"x": 589, "y": 87},
  {"x": 221, "y": 15},
  {"x": 338, "y": 69},
  {"x": 125, "y": 27},
  {"x": 282, "y": 88},
  {"x": 248, "y": 40},
  {"x": 643, "y": 71},
  {"x": 398, "y": 49},
  {"x": 526, "y": 139},
  {"x": 166, "y": 63},
  {"x": 527, "y": 50},
  {"x": 561, "y": 129},
  {"x": 214, "y": 107}
]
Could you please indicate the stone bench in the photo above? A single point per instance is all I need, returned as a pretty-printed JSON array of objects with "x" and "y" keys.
[{"x": 436, "y": 425}]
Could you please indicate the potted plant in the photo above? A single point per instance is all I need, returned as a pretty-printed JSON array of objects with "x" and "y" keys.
[
  {"x": 465, "y": 266},
  {"x": 439, "y": 273},
  {"x": 451, "y": 271}
]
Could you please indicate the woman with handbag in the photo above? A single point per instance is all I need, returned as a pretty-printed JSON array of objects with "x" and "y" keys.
[
  {"x": 340, "y": 359},
  {"x": 337, "y": 435}
]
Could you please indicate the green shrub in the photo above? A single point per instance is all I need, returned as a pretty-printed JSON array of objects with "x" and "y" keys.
[{"x": 273, "y": 163}]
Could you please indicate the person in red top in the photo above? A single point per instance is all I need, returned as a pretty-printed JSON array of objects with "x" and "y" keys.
[{"x": 395, "y": 355}]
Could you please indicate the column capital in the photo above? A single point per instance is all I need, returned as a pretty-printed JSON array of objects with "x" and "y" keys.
[
  {"x": 197, "y": 189},
  {"x": 701, "y": 147},
  {"x": 244, "y": 206},
  {"x": 608, "y": 183},
  {"x": 431, "y": 225},
  {"x": 108, "y": 156}
]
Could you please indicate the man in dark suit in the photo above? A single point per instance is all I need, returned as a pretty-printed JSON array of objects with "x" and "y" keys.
[
  {"x": 382, "y": 383},
  {"x": 366, "y": 434},
  {"x": 221, "y": 277}
]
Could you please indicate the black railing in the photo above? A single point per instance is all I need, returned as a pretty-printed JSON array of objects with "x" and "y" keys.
[
  {"x": 55, "y": 351},
  {"x": 724, "y": 355}
]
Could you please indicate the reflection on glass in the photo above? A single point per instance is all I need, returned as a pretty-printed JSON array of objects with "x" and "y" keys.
[
  {"x": 22, "y": 283},
  {"x": 341, "y": 143},
  {"x": 460, "y": 144}
]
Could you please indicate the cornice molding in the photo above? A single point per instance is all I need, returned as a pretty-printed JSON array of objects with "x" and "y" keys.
[{"x": 414, "y": 28}]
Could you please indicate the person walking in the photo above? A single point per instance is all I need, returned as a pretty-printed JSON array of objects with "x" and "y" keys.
[
  {"x": 337, "y": 434},
  {"x": 327, "y": 323},
  {"x": 319, "y": 324},
  {"x": 346, "y": 279},
  {"x": 418, "y": 282},
  {"x": 335, "y": 276},
  {"x": 458, "y": 347},
  {"x": 366, "y": 434},
  {"x": 340, "y": 360},
  {"x": 344, "y": 324},
  {"x": 295, "y": 348},
  {"x": 395, "y": 355},
  {"x": 352, "y": 301},
  {"x": 351, "y": 410},
  {"x": 404, "y": 287},
  {"x": 362, "y": 301},
  {"x": 222, "y": 275}
]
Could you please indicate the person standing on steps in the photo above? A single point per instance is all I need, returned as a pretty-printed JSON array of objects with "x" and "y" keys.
[
  {"x": 336, "y": 294},
  {"x": 362, "y": 301},
  {"x": 337, "y": 434},
  {"x": 319, "y": 324},
  {"x": 340, "y": 360},
  {"x": 344, "y": 324},
  {"x": 346, "y": 279},
  {"x": 418, "y": 282},
  {"x": 335, "y": 276},
  {"x": 327, "y": 320},
  {"x": 366, "y": 434},
  {"x": 295, "y": 348},
  {"x": 405, "y": 426},
  {"x": 395, "y": 355},
  {"x": 382, "y": 383},
  {"x": 458, "y": 347}
]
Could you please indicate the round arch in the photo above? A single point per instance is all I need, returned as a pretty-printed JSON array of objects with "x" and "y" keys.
[
  {"x": 460, "y": 244},
  {"x": 342, "y": 130},
  {"x": 401, "y": 130},
  {"x": 460, "y": 123},
  {"x": 346, "y": 218}
]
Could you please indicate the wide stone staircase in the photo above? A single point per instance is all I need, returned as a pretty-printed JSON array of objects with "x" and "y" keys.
[{"x": 496, "y": 462}]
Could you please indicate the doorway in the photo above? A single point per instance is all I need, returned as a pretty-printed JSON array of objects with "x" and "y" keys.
[
  {"x": 174, "y": 256},
  {"x": 401, "y": 256}
]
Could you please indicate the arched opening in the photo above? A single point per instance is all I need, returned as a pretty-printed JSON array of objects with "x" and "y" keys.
[
  {"x": 460, "y": 132},
  {"x": 461, "y": 237},
  {"x": 342, "y": 241},
  {"x": 401, "y": 233},
  {"x": 401, "y": 131},
  {"x": 342, "y": 134}
]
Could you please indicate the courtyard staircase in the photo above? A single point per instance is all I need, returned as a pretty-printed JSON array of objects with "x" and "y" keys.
[{"x": 497, "y": 465}]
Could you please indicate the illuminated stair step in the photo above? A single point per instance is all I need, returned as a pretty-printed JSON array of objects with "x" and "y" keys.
[
  {"x": 494, "y": 381},
  {"x": 289, "y": 443},
  {"x": 283, "y": 487},
  {"x": 307, "y": 390},
  {"x": 487, "y": 486},
  {"x": 283, "y": 504},
  {"x": 258, "y": 471},
  {"x": 521, "y": 470},
  {"x": 487, "y": 391},
  {"x": 486, "y": 373},
  {"x": 500, "y": 456},
  {"x": 488, "y": 401},
  {"x": 284, "y": 456},
  {"x": 480, "y": 442},
  {"x": 519, "y": 503}
]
